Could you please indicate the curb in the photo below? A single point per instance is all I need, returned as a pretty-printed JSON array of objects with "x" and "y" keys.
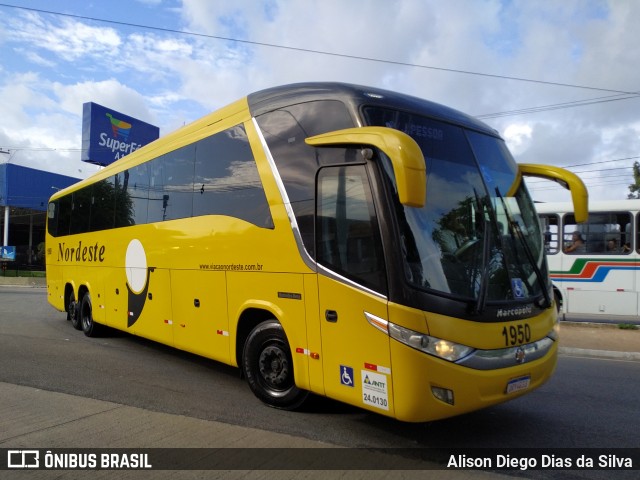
[{"x": 587, "y": 352}]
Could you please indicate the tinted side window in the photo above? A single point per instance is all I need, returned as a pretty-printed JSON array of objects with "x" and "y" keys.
[
  {"x": 81, "y": 210},
  {"x": 53, "y": 211},
  {"x": 284, "y": 131},
  {"x": 123, "y": 205},
  {"x": 64, "y": 219},
  {"x": 158, "y": 200},
  {"x": 226, "y": 179},
  {"x": 348, "y": 238},
  {"x": 103, "y": 205},
  {"x": 178, "y": 183},
  {"x": 137, "y": 186}
]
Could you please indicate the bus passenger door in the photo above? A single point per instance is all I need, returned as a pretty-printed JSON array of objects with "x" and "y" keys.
[{"x": 351, "y": 282}]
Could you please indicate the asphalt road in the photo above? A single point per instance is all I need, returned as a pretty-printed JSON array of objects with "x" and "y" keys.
[{"x": 589, "y": 403}]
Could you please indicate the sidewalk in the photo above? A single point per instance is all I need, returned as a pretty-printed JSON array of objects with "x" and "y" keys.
[{"x": 599, "y": 340}]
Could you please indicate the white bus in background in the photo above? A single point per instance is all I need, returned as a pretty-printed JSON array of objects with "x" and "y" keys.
[{"x": 602, "y": 275}]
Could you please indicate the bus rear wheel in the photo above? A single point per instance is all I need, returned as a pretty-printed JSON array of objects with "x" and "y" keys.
[
  {"x": 268, "y": 367},
  {"x": 89, "y": 327},
  {"x": 73, "y": 314}
]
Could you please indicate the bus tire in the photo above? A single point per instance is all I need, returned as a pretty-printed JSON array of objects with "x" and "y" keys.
[
  {"x": 268, "y": 367},
  {"x": 73, "y": 312},
  {"x": 89, "y": 327}
]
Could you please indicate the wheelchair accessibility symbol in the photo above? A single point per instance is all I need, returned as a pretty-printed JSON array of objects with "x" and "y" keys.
[
  {"x": 517, "y": 286},
  {"x": 346, "y": 376}
]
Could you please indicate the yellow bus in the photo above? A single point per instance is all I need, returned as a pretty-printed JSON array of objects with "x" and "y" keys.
[{"x": 360, "y": 244}]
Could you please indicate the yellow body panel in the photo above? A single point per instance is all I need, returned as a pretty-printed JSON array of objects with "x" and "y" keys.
[
  {"x": 314, "y": 335},
  {"x": 154, "y": 320},
  {"x": 200, "y": 321},
  {"x": 352, "y": 345},
  {"x": 115, "y": 297}
]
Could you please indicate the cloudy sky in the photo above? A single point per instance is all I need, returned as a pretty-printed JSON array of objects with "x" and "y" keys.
[{"x": 555, "y": 78}]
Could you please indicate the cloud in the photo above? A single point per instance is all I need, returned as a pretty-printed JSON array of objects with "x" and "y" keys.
[
  {"x": 69, "y": 39},
  {"x": 57, "y": 63},
  {"x": 20, "y": 93},
  {"x": 110, "y": 93}
]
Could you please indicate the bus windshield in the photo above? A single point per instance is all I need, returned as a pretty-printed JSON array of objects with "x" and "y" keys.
[{"x": 477, "y": 238}]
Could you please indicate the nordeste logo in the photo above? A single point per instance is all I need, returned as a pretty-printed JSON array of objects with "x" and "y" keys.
[{"x": 138, "y": 274}]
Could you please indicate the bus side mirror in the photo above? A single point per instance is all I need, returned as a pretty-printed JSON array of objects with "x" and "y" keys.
[
  {"x": 405, "y": 154},
  {"x": 568, "y": 180}
]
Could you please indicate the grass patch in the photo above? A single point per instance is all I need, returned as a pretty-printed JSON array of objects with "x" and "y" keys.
[
  {"x": 627, "y": 326},
  {"x": 22, "y": 273}
]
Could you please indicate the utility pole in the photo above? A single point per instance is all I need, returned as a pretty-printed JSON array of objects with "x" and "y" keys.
[{"x": 5, "y": 236}]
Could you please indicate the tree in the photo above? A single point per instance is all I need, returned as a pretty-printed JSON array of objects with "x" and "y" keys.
[{"x": 634, "y": 188}]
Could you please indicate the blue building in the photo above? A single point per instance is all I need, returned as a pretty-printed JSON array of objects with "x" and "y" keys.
[{"x": 24, "y": 194}]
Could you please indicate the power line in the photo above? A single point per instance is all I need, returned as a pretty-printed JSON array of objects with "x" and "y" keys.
[
  {"x": 599, "y": 177},
  {"x": 622, "y": 185},
  {"x": 314, "y": 51},
  {"x": 534, "y": 182},
  {"x": 582, "y": 174},
  {"x": 601, "y": 161},
  {"x": 595, "y": 163},
  {"x": 538, "y": 184},
  {"x": 41, "y": 149},
  {"x": 599, "y": 170},
  {"x": 559, "y": 106}
]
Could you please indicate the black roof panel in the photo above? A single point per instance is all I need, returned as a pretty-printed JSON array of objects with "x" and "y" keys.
[{"x": 355, "y": 95}]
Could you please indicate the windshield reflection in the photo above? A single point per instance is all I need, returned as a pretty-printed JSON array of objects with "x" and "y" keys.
[{"x": 477, "y": 237}]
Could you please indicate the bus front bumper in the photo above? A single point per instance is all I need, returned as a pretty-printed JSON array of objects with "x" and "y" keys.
[{"x": 426, "y": 388}]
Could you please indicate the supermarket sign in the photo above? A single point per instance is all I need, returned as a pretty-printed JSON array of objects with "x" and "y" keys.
[{"x": 108, "y": 135}]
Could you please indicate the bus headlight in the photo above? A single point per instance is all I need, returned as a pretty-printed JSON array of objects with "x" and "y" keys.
[{"x": 433, "y": 346}]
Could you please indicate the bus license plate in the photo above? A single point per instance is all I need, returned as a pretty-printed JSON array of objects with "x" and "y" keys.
[{"x": 517, "y": 384}]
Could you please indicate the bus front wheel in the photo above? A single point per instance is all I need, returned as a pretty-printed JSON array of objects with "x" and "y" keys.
[{"x": 268, "y": 367}]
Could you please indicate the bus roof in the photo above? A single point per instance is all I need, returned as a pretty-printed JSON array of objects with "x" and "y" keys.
[{"x": 354, "y": 95}]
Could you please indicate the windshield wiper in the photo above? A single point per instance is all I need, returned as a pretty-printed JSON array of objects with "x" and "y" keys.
[
  {"x": 484, "y": 284},
  {"x": 516, "y": 232},
  {"x": 486, "y": 252}
]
